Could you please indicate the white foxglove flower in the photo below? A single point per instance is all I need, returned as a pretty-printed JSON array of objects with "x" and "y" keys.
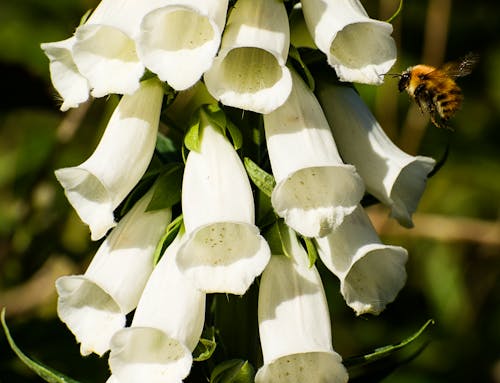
[
  {"x": 224, "y": 251},
  {"x": 105, "y": 51},
  {"x": 314, "y": 188},
  {"x": 71, "y": 85},
  {"x": 294, "y": 323},
  {"x": 370, "y": 273},
  {"x": 97, "y": 186},
  {"x": 166, "y": 328},
  {"x": 179, "y": 41},
  {"x": 360, "y": 49},
  {"x": 249, "y": 71},
  {"x": 94, "y": 305},
  {"x": 394, "y": 177}
]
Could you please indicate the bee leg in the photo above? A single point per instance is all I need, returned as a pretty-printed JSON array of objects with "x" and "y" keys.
[{"x": 422, "y": 98}]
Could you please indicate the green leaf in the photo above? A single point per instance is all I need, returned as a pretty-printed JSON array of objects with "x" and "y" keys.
[
  {"x": 167, "y": 188},
  {"x": 170, "y": 233},
  {"x": 263, "y": 180},
  {"x": 233, "y": 371},
  {"x": 215, "y": 116},
  {"x": 46, "y": 373},
  {"x": 312, "y": 252},
  {"x": 164, "y": 145},
  {"x": 235, "y": 134},
  {"x": 375, "y": 366},
  {"x": 400, "y": 7},
  {"x": 192, "y": 139},
  {"x": 206, "y": 346}
]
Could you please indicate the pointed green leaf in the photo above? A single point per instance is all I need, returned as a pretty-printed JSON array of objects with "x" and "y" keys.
[
  {"x": 263, "y": 180},
  {"x": 373, "y": 367},
  {"x": 167, "y": 188},
  {"x": 233, "y": 371},
  {"x": 206, "y": 346},
  {"x": 235, "y": 134},
  {"x": 164, "y": 145},
  {"x": 170, "y": 233},
  {"x": 312, "y": 252},
  {"x": 192, "y": 139},
  {"x": 215, "y": 116},
  {"x": 46, "y": 373}
]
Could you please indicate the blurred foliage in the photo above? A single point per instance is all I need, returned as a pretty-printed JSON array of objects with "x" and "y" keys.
[{"x": 453, "y": 281}]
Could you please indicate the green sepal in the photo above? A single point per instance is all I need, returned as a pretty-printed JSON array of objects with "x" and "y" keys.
[
  {"x": 235, "y": 133},
  {"x": 295, "y": 54},
  {"x": 375, "y": 366},
  {"x": 312, "y": 252},
  {"x": 206, "y": 346},
  {"x": 46, "y": 373},
  {"x": 192, "y": 139},
  {"x": 171, "y": 232},
  {"x": 278, "y": 239},
  {"x": 400, "y": 7},
  {"x": 167, "y": 188},
  {"x": 233, "y": 371},
  {"x": 262, "y": 179}
]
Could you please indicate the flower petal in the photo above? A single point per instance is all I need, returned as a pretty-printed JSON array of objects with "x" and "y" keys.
[
  {"x": 97, "y": 186},
  {"x": 94, "y": 305},
  {"x": 394, "y": 177},
  {"x": 294, "y": 323},
  {"x": 71, "y": 85},
  {"x": 167, "y": 326},
  {"x": 106, "y": 56},
  {"x": 105, "y": 51},
  {"x": 360, "y": 49},
  {"x": 314, "y": 189},
  {"x": 178, "y": 42},
  {"x": 224, "y": 251},
  {"x": 371, "y": 274},
  {"x": 250, "y": 71}
]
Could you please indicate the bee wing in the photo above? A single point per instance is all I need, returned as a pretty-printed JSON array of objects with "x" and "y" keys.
[{"x": 461, "y": 67}]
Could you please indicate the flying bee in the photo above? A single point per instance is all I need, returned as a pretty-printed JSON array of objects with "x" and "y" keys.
[{"x": 434, "y": 89}]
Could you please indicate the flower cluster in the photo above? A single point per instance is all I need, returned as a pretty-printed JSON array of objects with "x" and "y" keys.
[{"x": 325, "y": 149}]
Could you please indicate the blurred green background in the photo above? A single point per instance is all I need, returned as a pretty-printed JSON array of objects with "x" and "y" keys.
[{"x": 454, "y": 248}]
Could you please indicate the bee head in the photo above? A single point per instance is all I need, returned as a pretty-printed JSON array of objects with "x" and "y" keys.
[{"x": 404, "y": 80}]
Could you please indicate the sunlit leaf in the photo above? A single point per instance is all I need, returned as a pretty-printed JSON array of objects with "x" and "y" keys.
[
  {"x": 233, "y": 371},
  {"x": 206, "y": 346},
  {"x": 263, "y": 180},
  {"x": 312, "y": 252},
  {"x": 192, "y": 140},
  {"x": 46, "y": 373},
  {"x": 170, "y": 233}
]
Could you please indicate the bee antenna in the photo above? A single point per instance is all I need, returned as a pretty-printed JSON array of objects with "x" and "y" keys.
[{"x": 393, "y": 75}]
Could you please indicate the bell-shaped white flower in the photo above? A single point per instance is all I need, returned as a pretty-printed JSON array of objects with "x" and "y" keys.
[
  {"x": 179, "y": 41},
  {"x": 71, "y": 85},
  {"x": 360, "y": 49},
  {"x": 370, "y": 273},
  {"x": 314, "y": 188},
  {"x": 94, "y": 305},
  {"x": 249, "y": 71},
  {"x": 105, "y": 51},
  {"x": 97, "y": 186},
  {"x": 166, "y": 328},
  {"x": 224, "y": 251},
  {"x": 394, "y": 177},
  {"x": 294, "y": 323}
]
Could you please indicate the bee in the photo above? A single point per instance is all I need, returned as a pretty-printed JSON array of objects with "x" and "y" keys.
[{"x": 434, "y": 89}]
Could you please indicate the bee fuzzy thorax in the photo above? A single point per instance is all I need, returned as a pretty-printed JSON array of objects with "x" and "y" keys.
[{"x": 434, "y": 89}]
